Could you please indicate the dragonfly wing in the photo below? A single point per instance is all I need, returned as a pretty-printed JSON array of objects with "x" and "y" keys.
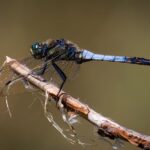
[
  {"x": 31, "y": 62},
  {"x": 70, "y": 68}
]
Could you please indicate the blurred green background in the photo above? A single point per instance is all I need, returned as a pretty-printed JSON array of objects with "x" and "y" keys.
[{"x": 118, "y": 91}]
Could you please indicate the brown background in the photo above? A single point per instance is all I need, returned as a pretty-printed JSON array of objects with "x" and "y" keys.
[{"x": 118, "y": 91}]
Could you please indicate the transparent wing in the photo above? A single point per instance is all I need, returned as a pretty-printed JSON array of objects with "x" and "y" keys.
[
  {"x": 70, "y": 69},
  {"x": 31, "y": 62},
  {"x": 8, "y": 77}
]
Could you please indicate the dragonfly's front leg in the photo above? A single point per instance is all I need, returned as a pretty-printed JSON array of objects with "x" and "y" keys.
[{"x": 40, "y": 71}]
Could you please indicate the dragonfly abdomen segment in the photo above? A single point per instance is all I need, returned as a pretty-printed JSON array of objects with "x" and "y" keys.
[
  {"x": 138, "y": 60},
  {"x": 87, "y": 55}
]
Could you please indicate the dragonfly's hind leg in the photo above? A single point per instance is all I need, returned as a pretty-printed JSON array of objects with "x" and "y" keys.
[{"x": 61, "y": 74}]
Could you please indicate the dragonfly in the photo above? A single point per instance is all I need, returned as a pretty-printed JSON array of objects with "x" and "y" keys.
[
  {"x": 61, "y": 50},
  {"x": 60, "y": 54}
]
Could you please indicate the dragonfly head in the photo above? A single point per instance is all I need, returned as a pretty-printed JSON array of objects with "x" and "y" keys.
[{"x": 38, "y": 50}]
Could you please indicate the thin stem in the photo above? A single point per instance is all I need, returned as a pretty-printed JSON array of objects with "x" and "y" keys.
[{"x": 106, "y": 127}]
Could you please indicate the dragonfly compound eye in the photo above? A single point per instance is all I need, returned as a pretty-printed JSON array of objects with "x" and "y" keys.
[{"x": 36, "y": 50}]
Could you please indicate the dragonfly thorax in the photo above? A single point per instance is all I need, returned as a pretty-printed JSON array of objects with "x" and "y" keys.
[
  {"x": 60, "y": 50},
  {"x": 55, "y": 50}
]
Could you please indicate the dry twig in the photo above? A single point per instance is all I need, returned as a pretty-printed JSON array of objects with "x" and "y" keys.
[{"x": 106, "y": 127}]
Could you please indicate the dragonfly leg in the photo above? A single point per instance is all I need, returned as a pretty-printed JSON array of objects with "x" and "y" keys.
[
  {"x": 42, "y": 70},
  {"x": 13, "y": 80},
  {"x": 8, "y": 84},
  {"x": 61, "y": 74}
]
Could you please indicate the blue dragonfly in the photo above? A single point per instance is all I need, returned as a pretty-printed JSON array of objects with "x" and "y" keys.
[
  {"x": 54, "y": 52},
  {"x": 60, "y": 54},
  {"x": 61, "y": 59}
]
